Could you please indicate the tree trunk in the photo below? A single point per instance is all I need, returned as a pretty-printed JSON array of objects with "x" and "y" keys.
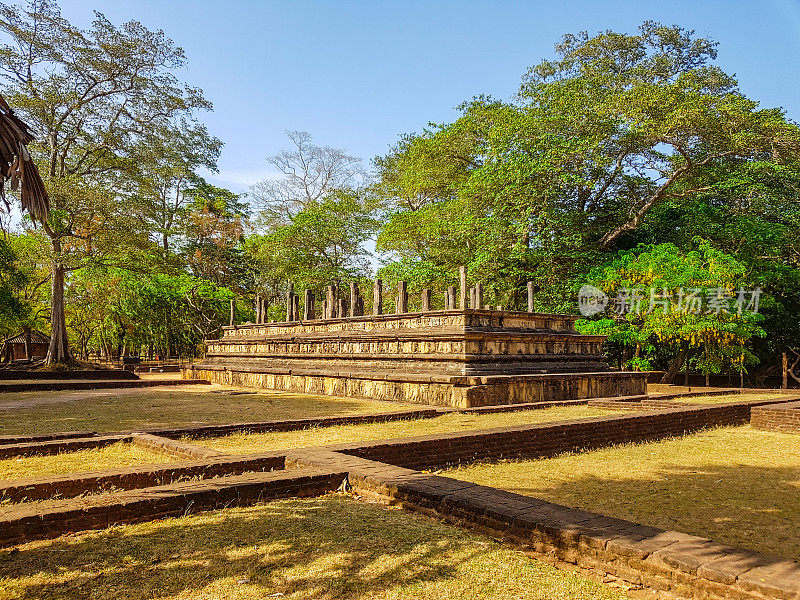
[
  {"x": 27, "y": 341},
  {"x": 675, "y": 366},
  {"x": 58, "y": 352}
]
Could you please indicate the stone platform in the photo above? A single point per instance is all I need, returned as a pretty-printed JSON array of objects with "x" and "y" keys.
[{"x": 460, "y": 358}]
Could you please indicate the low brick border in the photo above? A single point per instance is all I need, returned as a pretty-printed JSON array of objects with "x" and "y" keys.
[
  {"x": 57, "y": 446},
  {"x": 545, "y": 439},
  {"x": 671, "y": 561},
  {"x": 663, "y": 560},
  {"x": 292, "y": 424},
  {"x": 784, "y": 417},
  {"x": 128, "y": 478},
  {"x": 172, "y": 447},
  {"x": 44, "y": 437},
  {"x": 504, "y": 408},
  {"x": 658, "y": 402},
  {"x": 25, "y": 523},
  {"x": 94, "y": 374}
]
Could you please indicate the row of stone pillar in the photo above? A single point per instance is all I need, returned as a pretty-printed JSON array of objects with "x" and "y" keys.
[{"x": 335, "y": 307}]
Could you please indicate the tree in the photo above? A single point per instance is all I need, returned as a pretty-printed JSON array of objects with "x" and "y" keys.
[
  {"x": 308, "y": 173},
  {"x": 213, "y": 230},
  {"x": 321, "y": 244},
  {"x": 17, "y": 165},
  {"x": 90, "y": 95},
  {"x": 648, "y": 118},
  {"x": 599, "y": 145},
  {"x": 167, "y": 161},
  {"x": 701, "y": 300},
  {"x": 12, "y": 278}
]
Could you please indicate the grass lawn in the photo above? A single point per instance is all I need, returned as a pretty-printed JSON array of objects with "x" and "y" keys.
[
  {"x": 326, "y": 548},
  {"x": 246, "y": 443},
  {"x": 735, "y": 485},
  {"x": 130, "y": 409},
  {"x": 122, "y": 454}
]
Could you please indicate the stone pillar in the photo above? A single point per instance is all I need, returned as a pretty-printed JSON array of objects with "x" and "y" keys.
[
  {"x": 330, "y": 302},
  {"x": 325, "y": 309},
  {"x": 401, "y": 306},
  {"x": 233, "y": 313},
  {"x": 295, "y": 307},
  {"x": 360, "y": 307},
  {"x": 426, "y": 300},
  {"x": 500, "y": 307},
  {"x": 308, "y": 306},
  {"x": 462, "y": 278},
  {"x": 473, "y": 299},
  {"x": 258, "y": 309},
  {"x": 290, "y": 302},
  {"x": 478, "y": 295},
  {"x": 531, "y": 292},
  {"x": 335, "y": 305},
  {"x": 354, "y": 296},
  {"x": 377, "y": 298},
  {"x": 341, "y": 308},
  {"x": 451, "y": 297}
]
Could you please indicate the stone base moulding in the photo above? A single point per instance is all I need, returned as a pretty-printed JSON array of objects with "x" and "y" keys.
[{"x": 438, "y": 390}]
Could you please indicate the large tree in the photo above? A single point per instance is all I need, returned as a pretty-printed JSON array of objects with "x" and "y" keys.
[
  {"x": 616, "y": 128},
  {"x": 168, "y": 159},
  {"x": 90, "y": 95}
]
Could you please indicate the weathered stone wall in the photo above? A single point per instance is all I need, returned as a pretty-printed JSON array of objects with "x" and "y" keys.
[{"x": 460, "y": 392}]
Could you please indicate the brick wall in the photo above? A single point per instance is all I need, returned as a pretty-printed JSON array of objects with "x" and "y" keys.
[{"x": 547, "y": 439}]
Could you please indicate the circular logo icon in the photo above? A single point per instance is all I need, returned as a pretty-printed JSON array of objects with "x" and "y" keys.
[{"x": 591, "y": 300}]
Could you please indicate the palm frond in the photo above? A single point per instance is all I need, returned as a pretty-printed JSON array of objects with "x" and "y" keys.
[{"x": 17, "y": 165}]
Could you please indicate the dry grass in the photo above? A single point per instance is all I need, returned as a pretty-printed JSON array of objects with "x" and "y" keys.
[
  {"x": 735, "y": 485},
  {"x": 131, "y": 409},
  {"x": 326, "y": 548},
  {"x": 243, "y": 443},
  {"x": 122, "y": 454}
]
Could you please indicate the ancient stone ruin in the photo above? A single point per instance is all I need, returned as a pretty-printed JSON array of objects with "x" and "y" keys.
[{"x": 462, "y": 357}]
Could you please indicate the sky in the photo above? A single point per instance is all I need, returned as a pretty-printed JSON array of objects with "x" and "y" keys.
[{"x": 357, "y": 75}]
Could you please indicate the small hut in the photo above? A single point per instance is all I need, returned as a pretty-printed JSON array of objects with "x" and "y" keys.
[{"x": 14, "y": 346}]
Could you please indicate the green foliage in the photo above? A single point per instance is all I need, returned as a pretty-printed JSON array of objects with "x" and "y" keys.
[
  {"x": 665, "y": 274},
  {"x": 12, "y": 310},
  {"x": 321, "y": 244},
  {"x": 168, "y": 315}
]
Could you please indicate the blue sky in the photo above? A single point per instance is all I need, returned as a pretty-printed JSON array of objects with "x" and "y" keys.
[{"x": 359, "y": 74}]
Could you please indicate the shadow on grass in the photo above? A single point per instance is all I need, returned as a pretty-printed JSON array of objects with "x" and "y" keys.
[
  {"x": 751, "y": 507},
  {"x": 325, "y": 548}
]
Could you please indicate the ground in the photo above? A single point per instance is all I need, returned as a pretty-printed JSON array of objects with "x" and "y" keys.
[
  {"x": 735, "y": 485},
  {"x": 114, "y": 456},
  {"x": 325, "y": 548},
  {"x": 142, "y": 408}
]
